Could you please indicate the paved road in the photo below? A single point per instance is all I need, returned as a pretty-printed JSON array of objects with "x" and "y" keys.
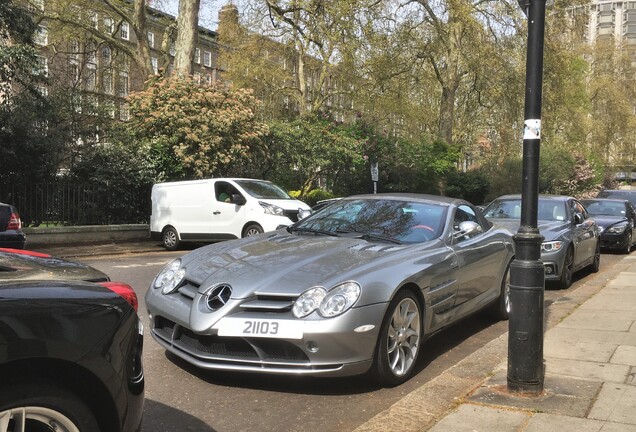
[{"x": 182, "y": 398}]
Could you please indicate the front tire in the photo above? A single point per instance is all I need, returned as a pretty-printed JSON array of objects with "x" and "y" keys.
[
  {"x": 399, "y": 340},
  {"x": 252, "y": 230},
  {"x": 566, "y": 271},
  {"x": 44, "y": 407},
  {"x": 170, "y": 239}
]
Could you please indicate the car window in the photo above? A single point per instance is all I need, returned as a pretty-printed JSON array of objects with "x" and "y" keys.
[
  {"x": 577, "y": 207},
  {"x": 606, "y": 208},
  {"x": 263, "y": 189},
  {"x": 617, "y": 194},
  {"x": 504, "y": 209},
  {"x": 406, "y": 221},
  {"x": 223, "y": 191}
]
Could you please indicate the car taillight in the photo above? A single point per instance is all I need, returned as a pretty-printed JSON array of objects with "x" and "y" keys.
[
  {"x": 123, "y": 290},
  {"x": 14, "y": 222}
]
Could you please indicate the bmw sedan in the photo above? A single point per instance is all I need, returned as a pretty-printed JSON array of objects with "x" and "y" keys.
[
  {"x": 616, "y": 219},
  {"x": 571, "y": 237},
  {"x": 356, "y": 287},
  {"x": 70, "y": 357}
]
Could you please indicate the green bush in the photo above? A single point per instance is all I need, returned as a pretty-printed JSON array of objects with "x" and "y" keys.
[{"x": 316, "y": 195}]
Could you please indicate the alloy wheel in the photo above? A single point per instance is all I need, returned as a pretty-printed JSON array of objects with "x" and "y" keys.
[
  {"x": 403, "y": 337},
  {"x": 34, "y": 418}
]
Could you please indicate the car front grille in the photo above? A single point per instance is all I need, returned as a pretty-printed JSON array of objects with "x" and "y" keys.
[{"x": 215, "y": 348}]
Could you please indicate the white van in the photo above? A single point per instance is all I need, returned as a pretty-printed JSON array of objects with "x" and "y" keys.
[{"x": 218, "y": 209}]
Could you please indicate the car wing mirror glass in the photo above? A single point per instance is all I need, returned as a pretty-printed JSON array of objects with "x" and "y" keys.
[
  {"x": 302, "y": 213},
  {"x": 467, "y": 228},
  {"x": 578, "y": 218},
  {"x": 238, "y": 199}
]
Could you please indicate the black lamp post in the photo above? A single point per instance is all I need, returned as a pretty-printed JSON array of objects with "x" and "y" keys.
[{"x": 527, "y": 279}]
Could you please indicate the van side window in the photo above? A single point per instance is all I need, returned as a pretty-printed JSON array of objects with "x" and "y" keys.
[{"x": 223, "y": 191}]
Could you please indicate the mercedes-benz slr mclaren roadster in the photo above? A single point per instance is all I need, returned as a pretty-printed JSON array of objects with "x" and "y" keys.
[{"x": 353, "y": 288}]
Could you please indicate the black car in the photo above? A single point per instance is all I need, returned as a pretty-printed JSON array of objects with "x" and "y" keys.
[
  {"x": 29, "y": 265},
  {"x": 623, "y": 194},
  {"x": 11, "y": 235},
  {"x": 70, "y": 357},
  {"x": 617, "y": 220}
]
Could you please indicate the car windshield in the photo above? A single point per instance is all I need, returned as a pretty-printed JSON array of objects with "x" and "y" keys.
[
  {"x": 605, "y": 208},
  {"x": 395, "y": 221},
  {"x": 548, "y": 210},
  {"x": 262, "y": 189}
]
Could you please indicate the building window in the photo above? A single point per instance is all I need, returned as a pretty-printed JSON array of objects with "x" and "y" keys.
[
  {"x": 151, "y": 39},
  {"x": 91, "y": 53},
  {"x": 173, "y": 49},
  {"x": 197, "y": 56},
  {"x": 155, "y": 65},
  {"x": 124, "y": 32},
  {"x": 107, "y": 83},
  {"x": 124, "y": 112},
  {"x": 74, "y": 72},
  {"x": 197, "y": 77},
  {"x": 123, "y": 84},
  {"x": 90, "y": 77},
  {"x": 107, "y": 54},
  {"x": 43, "y": 90},
  {"x": 109, "y": 25},
  {"x": 94, "y": 20},
  {"x": 41, "y": 36},
  {"x": 41, "y": 66},
  {"x": 207, "y": 58},
  {"x": 208, "y": 79}
]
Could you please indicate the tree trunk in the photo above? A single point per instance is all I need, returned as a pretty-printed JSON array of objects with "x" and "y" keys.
[
  {"x": 187, "y": 24},
  {"x": 143, "y": 50}
]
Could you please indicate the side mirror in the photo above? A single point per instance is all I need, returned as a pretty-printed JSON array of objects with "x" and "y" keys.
[
  {"x": 302, "y": 214},
  {"x": 467, "y": 228},
  {"x": 578, "y": 218},
  {"x": 238, "y": 199}
]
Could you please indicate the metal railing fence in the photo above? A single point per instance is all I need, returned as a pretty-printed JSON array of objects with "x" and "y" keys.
[{"x": 69, "y": 203}]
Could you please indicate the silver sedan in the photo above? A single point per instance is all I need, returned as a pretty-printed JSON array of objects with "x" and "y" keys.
[{"x": 354, "y": 288}]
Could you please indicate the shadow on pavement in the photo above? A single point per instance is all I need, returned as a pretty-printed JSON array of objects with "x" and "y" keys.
[{"x": 163, "y": 418}]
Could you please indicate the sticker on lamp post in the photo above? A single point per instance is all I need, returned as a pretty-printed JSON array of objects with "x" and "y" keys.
[
  {"x": 374, "y": 176},
  {"x": 532, "y": 129}
]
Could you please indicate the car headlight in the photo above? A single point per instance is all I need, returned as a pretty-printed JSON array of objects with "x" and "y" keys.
[
  {"x": 617, "y": 229},
  {"x": 328, "y": 303},
  {"x": 551, "y": 246},
  {"x": 170, "y": 277},
  {"x": 272, "y": 209}
]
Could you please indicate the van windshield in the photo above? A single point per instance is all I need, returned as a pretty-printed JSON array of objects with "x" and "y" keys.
[{"x": 263, "y": 190}]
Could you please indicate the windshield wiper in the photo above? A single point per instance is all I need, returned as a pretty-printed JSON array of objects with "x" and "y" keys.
[
  {"x": 371, "y": 236},
  {"x": 313, "y": 230}
]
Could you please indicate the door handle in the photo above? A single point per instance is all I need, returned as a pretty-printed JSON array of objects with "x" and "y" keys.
[{"x": 216, "y": 212}]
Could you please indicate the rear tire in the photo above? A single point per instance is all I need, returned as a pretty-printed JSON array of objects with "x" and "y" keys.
[
  {"x": 596, "y": 263},
  {"x": 399, "y": 340},
  {"x": 501, "y": 308},
  {"x": 628, "y": 248},
  {"x": 37, "y": 406},
  {"x": 170, "y": 239}
]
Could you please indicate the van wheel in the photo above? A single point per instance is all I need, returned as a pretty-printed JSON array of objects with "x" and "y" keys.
[
  {"x": 170, "y": 239},
  {"x": 252, "y": 230}
]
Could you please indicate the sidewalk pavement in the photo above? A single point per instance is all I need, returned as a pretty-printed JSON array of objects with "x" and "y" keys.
[
  {"x": 84, "y": 250},
  {"x": 590, "y": 370}
]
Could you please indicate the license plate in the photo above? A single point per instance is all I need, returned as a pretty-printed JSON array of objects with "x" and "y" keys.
[{"x": 264, "y": 328}]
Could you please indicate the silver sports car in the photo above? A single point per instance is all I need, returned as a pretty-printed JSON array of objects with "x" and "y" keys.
[{"x": 353, "y": 288}]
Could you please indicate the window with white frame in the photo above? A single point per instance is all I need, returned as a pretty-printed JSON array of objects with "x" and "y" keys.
[
  {"x": 91, "y": 53},
  {"x": 124, "y": 31},
  {"x": 197, "y": 77},
  {"x": 41, "y": 36},
  {"x": 207, "y": 58},
  {"x": 197, "y": 56},
  {"x": 43, "y": 90},
  {"x": 123, "y": 84},
  {"x": 41, "y": 66},
  {"x": 74, "y": 46},
  {"x": 109, "y": 25},
  {"x": 107, "y": 55},
  {"x": 151, "y": 39},
  {"x": 155, "y": 65},
  {"x": 94, "y": 20}
]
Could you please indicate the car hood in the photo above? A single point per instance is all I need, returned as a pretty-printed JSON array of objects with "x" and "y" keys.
[
  {"x": 550, "y": 230},
  {"x": 287, "y": 264},
  {"x": 24, "y": 267},
  {"x": 608, "y": 221}
]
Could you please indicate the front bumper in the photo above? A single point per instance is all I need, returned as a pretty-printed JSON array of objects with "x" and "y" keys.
[
  {"x": 614, "y": 241},
  {"x": 329, "y": 347},
  {"x": 553, "y": 264}
]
